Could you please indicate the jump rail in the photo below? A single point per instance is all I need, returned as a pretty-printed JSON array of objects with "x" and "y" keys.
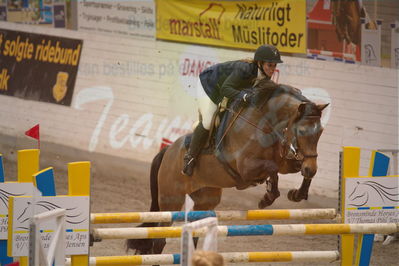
[
  {"x": 246, "y": 230},
  {"x": 148, "y": 217},
  {"x": 230, "y": 257}
]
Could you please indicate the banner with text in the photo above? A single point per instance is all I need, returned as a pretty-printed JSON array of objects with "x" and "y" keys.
[
  {"x": 237, "y": 24},
  {"x": 38, "y": 67},
  {"x": 77, "y": 220},
  {"x": 123, "y": 18}
]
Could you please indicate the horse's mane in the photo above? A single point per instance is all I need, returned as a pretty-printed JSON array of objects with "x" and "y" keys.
[{"x": 267, "y": 89}]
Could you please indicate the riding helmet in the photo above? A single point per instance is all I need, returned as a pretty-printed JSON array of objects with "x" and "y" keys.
[{"x": 267, "y": 53}]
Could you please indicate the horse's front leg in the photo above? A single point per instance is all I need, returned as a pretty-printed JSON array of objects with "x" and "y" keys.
[
  {"x": 297, "y": 195},
  {"x": 272, "y": 192}
]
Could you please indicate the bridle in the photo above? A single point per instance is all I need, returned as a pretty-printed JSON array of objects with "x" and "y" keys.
[
  {"x": 290, "y": 144},
  {"x": 288, "y": 141}
]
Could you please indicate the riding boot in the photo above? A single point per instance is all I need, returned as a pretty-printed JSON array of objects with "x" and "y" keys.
[{"x": 198, "y": 141}]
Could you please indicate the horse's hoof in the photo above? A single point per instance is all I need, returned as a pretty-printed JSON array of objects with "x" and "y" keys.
[
  {"x": 263, "y": 204},
  {"x": 293, "y": 195}
]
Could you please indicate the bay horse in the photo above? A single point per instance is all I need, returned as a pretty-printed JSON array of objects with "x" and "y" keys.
[
  {"x": 347, "y": 15},
  {"x": 277, "y": 133},
  {"x": 346, "y": 18}
]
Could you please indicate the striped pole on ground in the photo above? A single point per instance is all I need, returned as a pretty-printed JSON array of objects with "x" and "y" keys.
[
  {"x": 247, "y": 230},
  {"x": 230, "y": 257},
  {"x": 145, "y": 217}
]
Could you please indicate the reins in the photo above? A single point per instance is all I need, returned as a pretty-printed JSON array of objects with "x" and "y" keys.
[
  {"x": 238, "y": 114},
  {"x": 231, "y": 124},
  {"x": 285, "y": 142}
]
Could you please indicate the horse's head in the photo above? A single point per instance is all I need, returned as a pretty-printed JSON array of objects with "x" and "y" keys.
[
  {"x": 306, "y": 131},
  {"x": 297, "y": 124}
]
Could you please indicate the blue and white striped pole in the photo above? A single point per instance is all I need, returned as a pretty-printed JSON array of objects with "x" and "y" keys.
[{"x": 247, "y": 230}]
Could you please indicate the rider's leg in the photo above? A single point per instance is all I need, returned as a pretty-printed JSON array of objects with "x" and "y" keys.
[
  {"x": 198, "y": 140},
  {"x": 207, "y": 108}
]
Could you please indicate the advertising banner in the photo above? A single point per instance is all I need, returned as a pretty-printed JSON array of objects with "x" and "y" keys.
[
  {"x": 76, "y": 221},
  {"x": 238, "y": 24},
  {"x": 59, "y": 16},
  {"x": 11, "y": 190},
  {"x": 372, "y": 200},
  {"x": 38, "y": 67},
  {"x": 371, "y": 45},
  {"x": 122, "y": 18}
]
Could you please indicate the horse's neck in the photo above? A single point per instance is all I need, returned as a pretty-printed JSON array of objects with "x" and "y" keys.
[
  {"x": 281, "y": 110},
  {"x": 262, "y": 124}
]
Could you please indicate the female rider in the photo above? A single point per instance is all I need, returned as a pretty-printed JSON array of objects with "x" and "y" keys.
[{"x": 230, "y": 79}]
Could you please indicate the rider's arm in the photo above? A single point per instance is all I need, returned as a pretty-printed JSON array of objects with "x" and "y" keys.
[{"x": 240, "y": 78}]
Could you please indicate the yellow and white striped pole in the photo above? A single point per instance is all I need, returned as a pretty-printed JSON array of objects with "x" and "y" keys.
[{"x": 230, "y": 257}]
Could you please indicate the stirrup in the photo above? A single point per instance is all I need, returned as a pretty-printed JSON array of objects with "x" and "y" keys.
[{"x": 188, "y": 167}]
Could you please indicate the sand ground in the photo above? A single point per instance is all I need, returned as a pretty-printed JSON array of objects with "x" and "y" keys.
[{"x": 121, "y": 185}]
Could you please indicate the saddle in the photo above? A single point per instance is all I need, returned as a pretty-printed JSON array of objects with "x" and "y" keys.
[{"x": 219, "y": 124}]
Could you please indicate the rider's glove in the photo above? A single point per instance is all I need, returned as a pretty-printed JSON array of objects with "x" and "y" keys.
[{"x": 246, "y": 96}]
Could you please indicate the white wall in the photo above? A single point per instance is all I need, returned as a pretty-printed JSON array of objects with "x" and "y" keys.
[{"x": 130, "y": 93}]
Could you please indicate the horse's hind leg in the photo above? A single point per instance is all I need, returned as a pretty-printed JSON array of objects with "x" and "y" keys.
[
  {"x": 297, "y": 195},
  {"x": 157, "y": 245},
  {"x": 206, "y": 199},
  {"x": 272, "y": 192}
]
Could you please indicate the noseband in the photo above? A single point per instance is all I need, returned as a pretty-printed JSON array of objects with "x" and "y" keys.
[{"x": 291, "y": 149}]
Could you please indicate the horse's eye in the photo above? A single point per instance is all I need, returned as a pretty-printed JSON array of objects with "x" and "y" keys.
[{"x": 302, "y": 131}]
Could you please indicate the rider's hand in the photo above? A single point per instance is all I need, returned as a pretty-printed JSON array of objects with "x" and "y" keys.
[{"x": 246, "y": 96}]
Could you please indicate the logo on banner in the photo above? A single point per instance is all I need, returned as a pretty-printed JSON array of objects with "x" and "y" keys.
[
  {"x": 60, "y": 88},
  {"x": 370, "y": 54},
  {"x": 372, "y": 193},
  {"x": 192, "y": 62},
  {"x": 207, "y": 25}
]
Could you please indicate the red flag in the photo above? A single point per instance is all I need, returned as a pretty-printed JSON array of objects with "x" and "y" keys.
[
  {"x": 165, "y": 143},
  {"x": 34, "y": 133}
]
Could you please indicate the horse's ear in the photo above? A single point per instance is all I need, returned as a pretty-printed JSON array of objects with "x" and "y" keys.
[
  {"x": 321, "y": 107},
  {"x": 301, "y": 108}
]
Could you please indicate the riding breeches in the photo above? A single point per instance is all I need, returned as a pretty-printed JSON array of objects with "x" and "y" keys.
[{"x": 206, "y": 108}]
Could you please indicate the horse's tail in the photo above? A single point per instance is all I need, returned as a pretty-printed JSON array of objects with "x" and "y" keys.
[
  {"x": 149, "y": 246},
  {"x": 155, "y": 165}
]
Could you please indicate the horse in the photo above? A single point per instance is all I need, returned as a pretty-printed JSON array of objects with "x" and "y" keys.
[
  {"x": 276, "y": 133},
  {"x": 347, "y": 15}
]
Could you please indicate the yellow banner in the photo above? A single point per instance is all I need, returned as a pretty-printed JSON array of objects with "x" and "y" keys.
[{"x": 238, "y": 24}]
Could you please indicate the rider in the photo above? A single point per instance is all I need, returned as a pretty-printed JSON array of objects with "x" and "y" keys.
[{"x": 230, "y": 79}]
